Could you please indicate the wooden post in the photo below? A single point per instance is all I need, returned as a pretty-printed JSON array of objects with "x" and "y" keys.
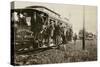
[{"x": 83, "y": 40}]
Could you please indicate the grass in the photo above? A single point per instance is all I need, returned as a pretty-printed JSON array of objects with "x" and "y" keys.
[{"x": 73, "y": 53}]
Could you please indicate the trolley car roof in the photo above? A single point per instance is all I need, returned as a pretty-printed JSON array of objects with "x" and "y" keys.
[
  {"x": 26, "y": 10},
  {"x": 44, "y": 8}
]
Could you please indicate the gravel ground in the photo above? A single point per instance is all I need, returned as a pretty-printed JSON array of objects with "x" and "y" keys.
[{"x": 72, "y": 53}]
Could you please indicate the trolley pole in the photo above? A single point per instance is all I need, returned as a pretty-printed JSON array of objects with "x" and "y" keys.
[{"x": 83, "y": 40}]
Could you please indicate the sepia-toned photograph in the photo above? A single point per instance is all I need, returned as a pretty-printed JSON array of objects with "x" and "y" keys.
[{"x": 50, "y": 33}]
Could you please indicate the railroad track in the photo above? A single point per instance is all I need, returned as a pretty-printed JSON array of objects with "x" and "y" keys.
[{"x": 36, "y": 50}]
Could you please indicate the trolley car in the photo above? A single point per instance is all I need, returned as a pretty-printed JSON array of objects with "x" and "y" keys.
[{"x": 37, "y": 26}]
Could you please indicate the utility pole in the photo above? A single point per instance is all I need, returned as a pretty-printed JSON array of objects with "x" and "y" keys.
[{"x": 83, "y": 40}]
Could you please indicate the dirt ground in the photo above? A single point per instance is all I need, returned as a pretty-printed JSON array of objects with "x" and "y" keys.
[{"x": 68, "y": 53}]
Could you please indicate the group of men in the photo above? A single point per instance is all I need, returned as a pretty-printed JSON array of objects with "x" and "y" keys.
[
  {"x": 47, "y": 31},
  {"x": 56, "y": 33}
]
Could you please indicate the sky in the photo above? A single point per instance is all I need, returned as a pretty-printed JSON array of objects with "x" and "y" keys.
[{"x": 73, "y": 12}]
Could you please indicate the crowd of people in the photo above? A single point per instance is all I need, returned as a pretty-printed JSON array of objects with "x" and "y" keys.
[{"x": 46, "y": 31}]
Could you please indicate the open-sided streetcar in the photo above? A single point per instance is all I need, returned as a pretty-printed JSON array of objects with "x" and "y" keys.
[{"x": 39, "y": 27}]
